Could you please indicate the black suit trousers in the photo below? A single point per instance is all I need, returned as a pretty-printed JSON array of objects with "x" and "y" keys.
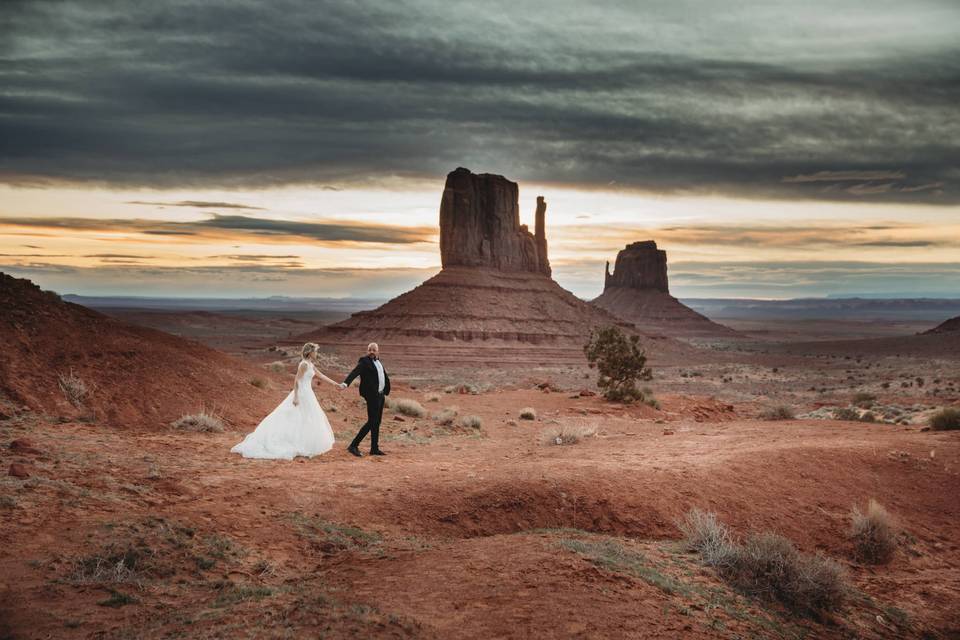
[{"x": 372, "y": 425}]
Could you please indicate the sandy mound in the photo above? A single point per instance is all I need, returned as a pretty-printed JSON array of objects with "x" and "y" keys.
[{"x": 134, "y": 376}]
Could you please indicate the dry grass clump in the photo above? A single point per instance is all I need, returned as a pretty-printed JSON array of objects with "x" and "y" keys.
[
  {"x": 781, "y": 412},
  {"x": 766, "y": 565},
  {"x": 462, "y": 388},
  {"x": 567, "y": 434},
  {"x": 432, "y": 397},
  {"x": 874, "y": 533},
  {"x": 259, "y": 383},
  {"x": 277, "y": 367},
  {"x": 528, "y": 413},
  {"x": 204, "y": 422},
  {"x": 703, "y": 533},
  {"x": 409, "y": 407},
  {"x": 471, "y": 422},
  {"x": 946, "y": 419},
  {"x": 74, "y": 389},
  {"x": 447, "y": 416}
]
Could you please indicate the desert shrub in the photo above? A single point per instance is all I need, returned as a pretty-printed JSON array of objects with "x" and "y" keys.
[
  {"x": 471, "y": 422},
  {"x": 74, "y": 389},
  {"x": 432, "y": 397},
  {"x": 780, "y": 412},
  {"x": 259, "y": 383},
  {"x": 566, "y": 434},
  {"x": 766, "y": 565},
  {"x": 388, "y": 403},
  {"x": 277, "y": 367},
  {"x": 620, "y": 363},
  {"x": 446, "y": 416},
  {"x": 946, "y": 419},
  {"x": 868, "y": 416},
  {"x": 528, "y": 413},
  {"x": 703, "y": 533},
  {"x": 845, "y": 413},
  {"x": 864, "y": 400},
  {"x": 410, "y": 408},
  {"x": 202, "y": 421},
  {"x": 463, "y": 388},
  {"x": 873, "y": 533}
]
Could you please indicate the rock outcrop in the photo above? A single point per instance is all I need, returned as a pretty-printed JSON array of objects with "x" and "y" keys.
[
  {"x": 493, "y": 303},
  {"x": 638, "y": 292},
  {"x": 947, "y": 326},
  {"x": 480, "y": 225},
  {"x": 640, "y": 265}
]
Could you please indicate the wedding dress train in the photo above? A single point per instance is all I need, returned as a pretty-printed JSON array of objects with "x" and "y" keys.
[{"x": 291, "y": 430}]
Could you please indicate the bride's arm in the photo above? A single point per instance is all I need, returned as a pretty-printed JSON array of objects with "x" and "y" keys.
[
  {"x": 326, "y": 379},
  {"x": 301, "y": 371}
]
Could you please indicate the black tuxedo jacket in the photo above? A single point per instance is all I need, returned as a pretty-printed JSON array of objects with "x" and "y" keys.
[{"x": 369, "y": 380}]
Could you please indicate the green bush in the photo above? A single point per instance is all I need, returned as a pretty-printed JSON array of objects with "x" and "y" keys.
[{"x": 620, "y": 362}]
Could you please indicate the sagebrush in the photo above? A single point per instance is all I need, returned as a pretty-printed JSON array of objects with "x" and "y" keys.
[{"x": 766, "y": 565}]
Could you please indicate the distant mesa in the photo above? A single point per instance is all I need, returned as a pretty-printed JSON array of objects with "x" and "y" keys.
[
  {"x": 951, "y": 326},
  {"x": 134, "y": 376},
  {"x": 638, "y": 292},
  {"x": 494, "y": 289}
]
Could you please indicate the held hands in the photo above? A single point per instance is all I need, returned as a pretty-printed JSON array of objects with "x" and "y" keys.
[
  {"x": 342, "y": 386},
  {"x": 296, "y": 401}
]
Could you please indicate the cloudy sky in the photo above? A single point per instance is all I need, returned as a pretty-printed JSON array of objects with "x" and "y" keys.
[{"x": 298, "y": 147}]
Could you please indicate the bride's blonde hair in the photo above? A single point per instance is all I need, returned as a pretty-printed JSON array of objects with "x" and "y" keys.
[{"x": 309, "y": 348}]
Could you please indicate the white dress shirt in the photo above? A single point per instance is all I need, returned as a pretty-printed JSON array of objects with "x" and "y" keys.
[{"x": 380, "y": 378}]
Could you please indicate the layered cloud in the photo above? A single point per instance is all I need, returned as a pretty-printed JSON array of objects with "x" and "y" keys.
[
  {"x": 667, "y": 97},
  {"x": 229, "y": 228}
]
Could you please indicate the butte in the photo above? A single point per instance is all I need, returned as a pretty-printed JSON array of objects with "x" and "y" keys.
[
  {"x": 638, "y": 292},
  {"x": 493, "y": 302}
]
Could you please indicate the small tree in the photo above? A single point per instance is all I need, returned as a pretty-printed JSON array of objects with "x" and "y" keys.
[{"x": 620, "y": 363}]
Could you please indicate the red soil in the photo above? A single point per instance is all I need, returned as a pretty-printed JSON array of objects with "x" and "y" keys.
[
  {"x": 136, "y": 376},
  {"x": 461, "y": 549}
]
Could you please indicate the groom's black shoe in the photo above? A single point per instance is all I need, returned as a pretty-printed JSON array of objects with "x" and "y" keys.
[
  {"x": 378, "y": 452},
  {"x": 355, "y": 451}
]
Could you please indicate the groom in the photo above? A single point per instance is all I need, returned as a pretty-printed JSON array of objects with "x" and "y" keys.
[{"x": 374, "y": 386}]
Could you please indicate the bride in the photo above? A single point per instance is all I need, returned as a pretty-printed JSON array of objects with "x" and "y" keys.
[{"x": 298, "y": 427}]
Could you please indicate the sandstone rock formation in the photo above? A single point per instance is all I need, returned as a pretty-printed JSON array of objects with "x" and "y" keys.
[
  {"x": 639, "y": 266},
  {"x": 480, "y": 225},
  {"x": 493, "y": 302},
  {"x": 133, "y": 376},
  {"x": 638, "y": 292}
]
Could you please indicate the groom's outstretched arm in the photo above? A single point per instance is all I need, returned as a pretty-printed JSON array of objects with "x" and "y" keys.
[{"x": 353, "y": 374}]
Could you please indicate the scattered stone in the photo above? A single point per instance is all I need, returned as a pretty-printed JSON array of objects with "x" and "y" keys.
[
  {"x": 25, "y": 447},
  {"x": 18, "y": 470},
  {"x": 586, "y": 393}
]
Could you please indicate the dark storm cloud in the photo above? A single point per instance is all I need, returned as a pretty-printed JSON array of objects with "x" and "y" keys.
[
  {"x": 253, "y": 93},
  {"x": 224, "y": 227}
]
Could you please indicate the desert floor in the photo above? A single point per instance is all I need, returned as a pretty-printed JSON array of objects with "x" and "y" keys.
[{"x": 472, "y": 533}]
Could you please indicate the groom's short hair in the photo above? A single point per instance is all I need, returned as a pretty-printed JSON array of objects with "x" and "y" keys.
[{"x": 373, "y": 345}]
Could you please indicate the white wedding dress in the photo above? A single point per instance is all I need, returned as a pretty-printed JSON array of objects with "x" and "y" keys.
[{"x": 291, "y": 430}]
